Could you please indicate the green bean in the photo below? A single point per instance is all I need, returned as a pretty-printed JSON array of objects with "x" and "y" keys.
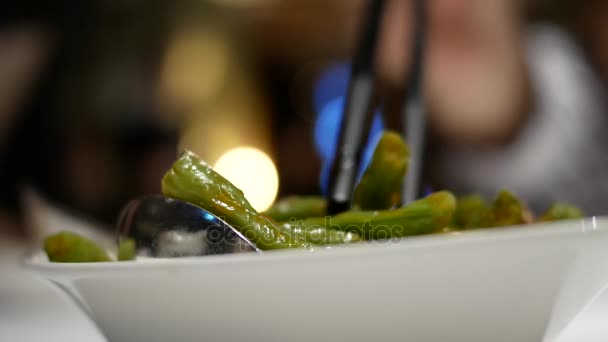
[
  {"x": 297, "y": 208},
  {"x": 318, "y": 235},
  {"x": 507, "y": 210},
  {"x": 470, "y": 212},
  {"x": 70, "y": 247},
  {"x": 561, "y": 211},
  {"x": 426, "y": 215},
  {"x": 380, "y": 185},
  {"x": 126, "y": 250},
  {"x": 192, "y": 180}
]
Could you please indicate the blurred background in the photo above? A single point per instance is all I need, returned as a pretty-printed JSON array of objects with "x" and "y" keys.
[{"x": 98, "y": 97}]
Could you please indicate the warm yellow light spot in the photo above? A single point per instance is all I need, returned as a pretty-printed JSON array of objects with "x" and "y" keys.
[
  {"x": 252, "y": 171},
  {"x": 195, "y": 68}
]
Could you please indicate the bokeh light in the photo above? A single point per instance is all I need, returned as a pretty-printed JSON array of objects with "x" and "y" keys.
[
  {"x": 195, "y": 67},
  {"x": 252, "y": 171}
]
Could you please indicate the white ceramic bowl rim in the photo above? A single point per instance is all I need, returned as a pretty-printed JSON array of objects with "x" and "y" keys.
[{"x": 39, "y": 263}]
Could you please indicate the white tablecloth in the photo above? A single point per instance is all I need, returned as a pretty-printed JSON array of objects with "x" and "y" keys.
[{"x": 31, "y": 310}]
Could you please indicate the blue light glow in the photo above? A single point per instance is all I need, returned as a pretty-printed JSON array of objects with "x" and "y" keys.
[
  {"x": 208, "y": 216},
  {"x": 331, "y": 85},
  {"x": 329, "y": 94},
  {"x": 324, "y": 178},
  {"x": 326, "y": 128},
  {"x": 326, "y": 133}
]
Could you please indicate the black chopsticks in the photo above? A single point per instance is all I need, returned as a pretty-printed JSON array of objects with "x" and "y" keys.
[
  {"x": 413, "y": 117},
  {"x": 357, "y": 114},
  {"x": 358, "y": 111}
]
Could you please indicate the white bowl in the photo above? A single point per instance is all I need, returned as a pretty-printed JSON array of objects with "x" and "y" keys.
[{"x": 510, "y": 284}]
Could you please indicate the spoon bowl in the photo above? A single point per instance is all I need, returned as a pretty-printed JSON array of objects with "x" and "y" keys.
[{"x": 168, "y": 228}]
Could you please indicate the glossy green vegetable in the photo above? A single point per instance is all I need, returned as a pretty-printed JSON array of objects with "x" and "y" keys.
[
  {"x": 319, "y": 235},
  {"x": 507, "y": 210},
  {"x": 192, "y": 180},
  {"x": 126, "y": 250},
  {"x": 470, "y": 212},
  {"x": 70, "y": 247},
  {"x": 423, "y": 216},
  {"x": 380, "y": 185},
  {"x": 297, "y": 208},
  {"x": 560, "y": 211}
]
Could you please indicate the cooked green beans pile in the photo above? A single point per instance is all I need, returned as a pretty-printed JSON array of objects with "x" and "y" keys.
[{"x": 303, "y": 223}]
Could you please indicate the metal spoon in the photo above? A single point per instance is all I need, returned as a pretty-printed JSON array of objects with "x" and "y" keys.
[{"x": 167, "y": 228}]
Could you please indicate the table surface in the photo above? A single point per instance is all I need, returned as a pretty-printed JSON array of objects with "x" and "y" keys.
[{"x": 31, "y": 310}]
